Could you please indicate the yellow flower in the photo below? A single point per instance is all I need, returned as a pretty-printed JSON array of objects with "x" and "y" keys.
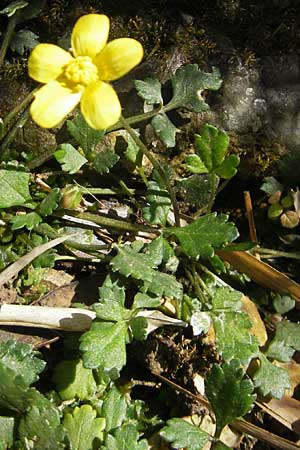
[{"x": 82, "y": 76}]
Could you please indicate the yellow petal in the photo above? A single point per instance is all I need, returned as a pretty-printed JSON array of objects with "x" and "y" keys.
[
  {"x": 90, "y": 34},
  {"x": 46, "y": 61},
  {"x": 52, "y": 104},
  {"x": 100, "y": 105},
  {"x": 118, "y": 57}
]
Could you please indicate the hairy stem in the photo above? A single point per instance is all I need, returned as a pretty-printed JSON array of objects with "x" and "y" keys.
[
  {"x": 156, "y": 165},
  {"x": 12, "y": 114},
  {"x": 106, "y": 222},
  {"x": 7, "y": 37}
]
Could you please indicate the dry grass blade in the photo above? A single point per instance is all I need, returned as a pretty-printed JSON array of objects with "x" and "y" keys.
[
  {"x": 261, "y": 272},
  {"x": 13, "y": 270}
]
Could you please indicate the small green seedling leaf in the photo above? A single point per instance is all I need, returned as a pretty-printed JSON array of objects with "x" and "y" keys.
[
  {"x": 113, "y": 408},
  {"x": 41, "y": 428},
  {"x": 159, "y": 201},
  {"x": 228, "y": 392},
  {"x": 184, "y": 435},
  {"x": 105, "y": 160},
  {"x": 23, "y": 40},
  {"x": 228, "y": 168},
  {"x": 105, "y": 345},
  {"x": 165, "y": 129},
  {"x": 188, "y": 84},
  {"x": 275, "y": 210},
  {"x": 200, "y": 238},
  {"x": 211, "y": 147},
  {"x": 28, "y": 221},
  {"x": 270, "y": 379},
  {"x": 50, "y": 203},
  {"x": 84, "y": 135},
  {"x": 125, "y": 438},
  {"x": 14, "y": 188},
  {"x": 85, "y": 430},
  {"x": 72, "y": 380},
  {"x": 285, "y": 342},
  {"x": 194, "y": 164},
  {"x": 69, "y": 158},
  {"x": 149, "y": 90}
]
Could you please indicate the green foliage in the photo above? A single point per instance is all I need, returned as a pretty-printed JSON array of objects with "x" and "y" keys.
[
  {"x": 159, "y": 201},
  {"x": 211, "y": 147},
  {"x": 14, "y": 188},
  {"x": 196, "y": 189},
  {"x": 105, "y": 160},
  {"x": 50, "y": 203},
  {"x": 84, "y": 135},
  {"x": 201, "y": 237},
  {"x": 232, "y": 327},
  {"x": 113, "y": 409},
  {"x": 28, "y": 221},
  {"x": 133, "y": 152},
  {"x": 165, "y": 129},
  {"x": 270, "y": 379},
  {"x": 69, "y": 158},
  {"x": 41, "y": 429},
  {"x": 104, "y": 345},
  {"x": 85, "y": 430},
  {"x": 140, "y": 267},
  {"x": 72, "y": 380},
  {"x": 125, "y": 438},
  {"x": 149, "y": 90},
  {"x": 194, "y": 164},
  {"x": 183, "y": 434},
  {"x": 188, "y": 83},
  {"x": 285, "y": 342},
  {"x": 21, "y": 359},
  {"x": 23, "y": 40},
  {"x": 228, "y": 392},
  {"x": 7, "y": 425}
]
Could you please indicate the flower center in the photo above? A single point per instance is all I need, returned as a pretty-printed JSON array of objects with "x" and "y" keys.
[{"x": 81, "y": 70}]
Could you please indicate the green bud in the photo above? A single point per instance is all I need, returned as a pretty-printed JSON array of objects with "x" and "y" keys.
[{"x": 71, "y": 198}]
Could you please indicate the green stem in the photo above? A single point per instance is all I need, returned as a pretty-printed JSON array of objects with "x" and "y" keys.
[
  {"x": 107, "y": 222},
  {"x": 269, "y": 253},
  {"x": 10, "y": 136},
  {"x": 156, "y": 165},
  {"x": 214, "y": 183},
  {"x": 51, "y": 234},
  {"x": 12, "y": 114},
  {"x": 7, "y": 37}
]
